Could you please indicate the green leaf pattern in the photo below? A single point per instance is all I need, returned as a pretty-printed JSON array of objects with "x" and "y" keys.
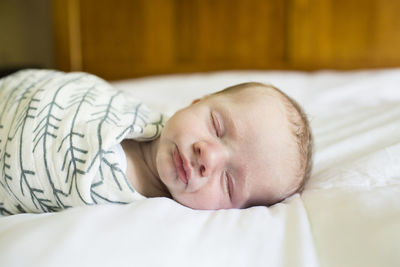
[{"x": 56, "y": 135}]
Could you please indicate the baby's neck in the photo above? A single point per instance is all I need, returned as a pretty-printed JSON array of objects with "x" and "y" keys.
[{"x": 141, "y": 168}]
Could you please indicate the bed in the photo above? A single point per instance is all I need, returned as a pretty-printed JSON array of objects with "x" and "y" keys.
[{"x": 348, "y": 214}]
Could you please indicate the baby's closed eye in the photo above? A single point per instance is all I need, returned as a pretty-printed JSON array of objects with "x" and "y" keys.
[
  {"x": 216, "y": 124},
  {"x": 228, "y": 184}
]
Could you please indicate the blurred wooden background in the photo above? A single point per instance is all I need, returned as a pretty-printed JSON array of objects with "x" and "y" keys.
[{"x": 129, "y": 38}]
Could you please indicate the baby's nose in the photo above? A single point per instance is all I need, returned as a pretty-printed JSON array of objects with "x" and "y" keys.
[{"x": 210, "y": 157}]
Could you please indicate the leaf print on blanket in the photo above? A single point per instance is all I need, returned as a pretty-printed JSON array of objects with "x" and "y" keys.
[
  {"x": 47, "y": 128},
  {"x": 57, "y": 136},
  {"x": 25, "y": 112},
  {"x": 106, "y": 115},
  {"x": 73, "y": 155}
]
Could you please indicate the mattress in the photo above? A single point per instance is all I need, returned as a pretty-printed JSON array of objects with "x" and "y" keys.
[{"x": 348, "y": 214}]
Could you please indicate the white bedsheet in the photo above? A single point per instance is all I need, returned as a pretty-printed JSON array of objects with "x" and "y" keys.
[{"x": 349, "y": 214}]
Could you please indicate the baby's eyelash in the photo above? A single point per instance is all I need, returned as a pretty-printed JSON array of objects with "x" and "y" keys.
[
  {"x": 227, "y": 184},
  {"x": 216, "y": 125}
]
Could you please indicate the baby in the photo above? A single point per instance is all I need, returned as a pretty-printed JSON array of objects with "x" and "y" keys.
[
  {"x": 247, "y": 145},
  {"x": 72, "y": 139}
]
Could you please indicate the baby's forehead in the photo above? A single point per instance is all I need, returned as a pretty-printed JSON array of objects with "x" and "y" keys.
[
  {"x": 270, "y": 117},
  {"x": 252, "y": 95},
  {"x": 252, "y": 112},
  {"x": 269, "y": 146},
  {"x": 258, "y": 101}
]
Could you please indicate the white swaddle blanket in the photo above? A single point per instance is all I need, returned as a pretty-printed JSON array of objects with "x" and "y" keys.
[{"x": 58, "y": 134}]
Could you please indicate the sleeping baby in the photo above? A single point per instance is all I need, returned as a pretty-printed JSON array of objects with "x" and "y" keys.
[{"x": 72, "y": 139}]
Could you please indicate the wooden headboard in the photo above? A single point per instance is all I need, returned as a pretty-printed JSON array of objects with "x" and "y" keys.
[{"x": 129, "y": 38}]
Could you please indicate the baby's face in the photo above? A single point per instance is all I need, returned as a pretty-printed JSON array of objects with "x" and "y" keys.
[{"x": 227, "y": 151}]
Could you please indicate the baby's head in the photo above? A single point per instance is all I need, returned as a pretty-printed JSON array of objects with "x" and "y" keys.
[{"x": 247, "y": 145}]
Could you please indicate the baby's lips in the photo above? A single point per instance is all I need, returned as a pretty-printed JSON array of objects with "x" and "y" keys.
[
  {"x": 178, "y": 161},
  {"x": 186, "y": 167}
]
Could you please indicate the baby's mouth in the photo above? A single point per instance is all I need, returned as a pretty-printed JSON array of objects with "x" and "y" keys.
[{"x": 179, "y": 165}]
